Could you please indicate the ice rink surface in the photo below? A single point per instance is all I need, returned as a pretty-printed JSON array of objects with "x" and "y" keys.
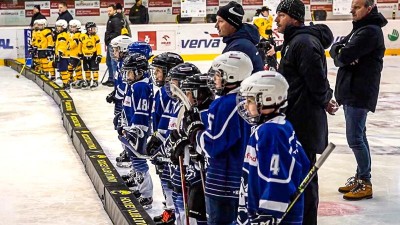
[{"x": 38, "y": 161}]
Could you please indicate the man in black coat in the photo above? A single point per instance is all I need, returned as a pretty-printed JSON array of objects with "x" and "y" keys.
[
  {"x": 359, "y": 57},
  {"x": 36, "y": 15},
  {"x": 114, "y": 25},
  {"x": 304, "y": 66},
  {"x": 63, "y": 13},
  {"x": 138, "y": 14}
]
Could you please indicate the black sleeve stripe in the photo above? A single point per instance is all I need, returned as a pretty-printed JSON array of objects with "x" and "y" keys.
[
  {"x": 98, "y": 41},
  {"x": 62, "y": 39}
]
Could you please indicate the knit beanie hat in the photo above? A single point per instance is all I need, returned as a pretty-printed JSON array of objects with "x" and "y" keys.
[
  {"x": 37, "y": 6},
  {"x": 294, "y": 8},
  {"x": 118, "y": 6},
  {"x": 233, "y": 14}
]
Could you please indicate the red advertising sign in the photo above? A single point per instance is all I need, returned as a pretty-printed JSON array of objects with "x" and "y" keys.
[
  {"x": 87, "y": 12},
  {"x": 306, "y": 2},
  {"x": 106, "y": 3},
  {"x": 253, "y": 2},
  {"x": 212, "y": 2},
  {"x": 45, "y": 12},
  {"x": 18, "y": 5},
  {"x": 70, "y": 4},
  {"x": 160, "y": 3},
  {"x": 327, "y": 8},
  {"x": 176, "y": 10},
  {"x": 150, "y": 37}
]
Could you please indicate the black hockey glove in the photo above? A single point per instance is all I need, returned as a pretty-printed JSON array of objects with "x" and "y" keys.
[
  {"x": 195, "y": 156},
  {"x": 153, "y": 144},
  {"x": 263, "y": 220},
  {"x": 98, "y": 59},
  {"x": 178, "y": 143},
  {"x": 110, "y": 97},
  {"x": 192, "y": 123},
  {"x": 335, "y": 49},
  {"x": 132, "y": 137}
]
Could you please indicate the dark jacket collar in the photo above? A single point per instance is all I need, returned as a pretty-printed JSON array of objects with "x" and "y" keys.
[{"x": 373, "y": 18}]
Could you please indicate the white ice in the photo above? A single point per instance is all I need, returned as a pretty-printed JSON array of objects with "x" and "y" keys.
[{"x": 38, "y": 160}]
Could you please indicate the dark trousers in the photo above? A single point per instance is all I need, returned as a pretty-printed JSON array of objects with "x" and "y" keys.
[{"x": 311, "y": 198}]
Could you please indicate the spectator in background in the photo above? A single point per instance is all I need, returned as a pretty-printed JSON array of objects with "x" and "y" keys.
[
  {"x": 359, "y": 57},
  {"x": 114, "y": 26},
  {"x": 120, "y": 11},
  {"x": 304, "y": 66},
  {"x": 238, "y": 36},
  {"x": 36, "y": 14},
  {"x": 63, "y": 13},
  {"x": 138, "y": 13}
]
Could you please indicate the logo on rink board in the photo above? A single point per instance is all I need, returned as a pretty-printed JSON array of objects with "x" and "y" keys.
[
  {"x": 394, "y": 35},
  {"x": 213, "y": 41},
  {"x": 5, "y": 44},
  {"x": 121, "y": 192}
]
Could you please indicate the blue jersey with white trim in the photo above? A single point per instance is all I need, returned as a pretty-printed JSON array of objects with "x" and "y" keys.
[
  {"x": 161, "y": 100},
  {"x": 274, "y": 166},
  {"x": 137, "y": 105},
  {"x": 224, "y": 143}
]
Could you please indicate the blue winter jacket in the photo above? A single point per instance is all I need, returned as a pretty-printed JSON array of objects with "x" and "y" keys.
[{"x": 245, "y": 40}]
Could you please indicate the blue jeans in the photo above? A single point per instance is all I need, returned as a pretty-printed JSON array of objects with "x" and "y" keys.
[
  {"x": 357, "y": 139},
  {"x": 111, "y": 64},
  {"x": 221, "y": 211}
]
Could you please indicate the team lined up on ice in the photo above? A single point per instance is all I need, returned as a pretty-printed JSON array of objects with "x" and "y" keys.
[
  {"x": 67, "y": 49},
  {"x": 213, "y": 134}
]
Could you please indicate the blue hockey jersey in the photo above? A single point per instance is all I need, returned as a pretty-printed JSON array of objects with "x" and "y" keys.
[
  {"x": 161, "y": 100},
  {"x": 224, "y": 142},
  {"x": 274, "y": 166}
]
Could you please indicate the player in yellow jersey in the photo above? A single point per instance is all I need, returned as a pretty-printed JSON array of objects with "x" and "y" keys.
[
  {"x": 91, "y": 50},
  {"x": 264, "y": 21},
  {"x": 45, "y": 46},
  {"x": 75, "y": 54},
  {"x": 33, "y": 46},
  {"x": 62, "y": 53}
]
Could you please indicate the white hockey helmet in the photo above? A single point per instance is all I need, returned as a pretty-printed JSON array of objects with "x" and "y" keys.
[
  {"x": 232, "y": 66},
  {"x": 42, "y": 22},
  {"x": 62, "y": 23},
  {"x": 120, "y": 45},
  {"x": 75, "y": 24},
  {"x": 268, "y": 89}
]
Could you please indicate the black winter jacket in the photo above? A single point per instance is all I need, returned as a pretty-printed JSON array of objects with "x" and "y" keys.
[
  {"x": 65, "y": 16},
  {"x": 36, "y": 16},
  {"x": 245, "y": 40},
  {"x": 114, "y": 25},
  {"x": 138, "y": 15},
  {"x": 360, "y": 59},
  {"x": 303, "y": 64}
]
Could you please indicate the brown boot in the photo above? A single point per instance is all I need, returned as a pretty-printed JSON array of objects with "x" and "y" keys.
[
  {"x": 361, "y": 191},
  {"x": 350, "y": 184}
]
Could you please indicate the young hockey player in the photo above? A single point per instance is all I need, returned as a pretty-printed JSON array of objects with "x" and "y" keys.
[
  {"x": 45, "y": 48},
  {"x": 61, "y": 51},
  {"x": 75, "y": 54},
  {"x": 91, "y": 51},
  {"x": 164, "y": 107},
  {"x": 135, "y": 122},
  {"x": 224, "y": 140},
  {"x": 200, "y": 96},
  {"x": 275, "y": 163},
  {"x": 176, "y": 76},
  {"x": 33, "y": 46}
]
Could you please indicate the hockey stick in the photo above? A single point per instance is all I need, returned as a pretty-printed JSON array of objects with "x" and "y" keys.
[
  {"x": 179, "y": 93},
  {"x": 104, "y": 75},
  {"x": 328, "y": 150}
]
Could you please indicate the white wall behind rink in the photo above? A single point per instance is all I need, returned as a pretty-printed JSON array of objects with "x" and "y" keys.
[{"x": 196, "y": 40}]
